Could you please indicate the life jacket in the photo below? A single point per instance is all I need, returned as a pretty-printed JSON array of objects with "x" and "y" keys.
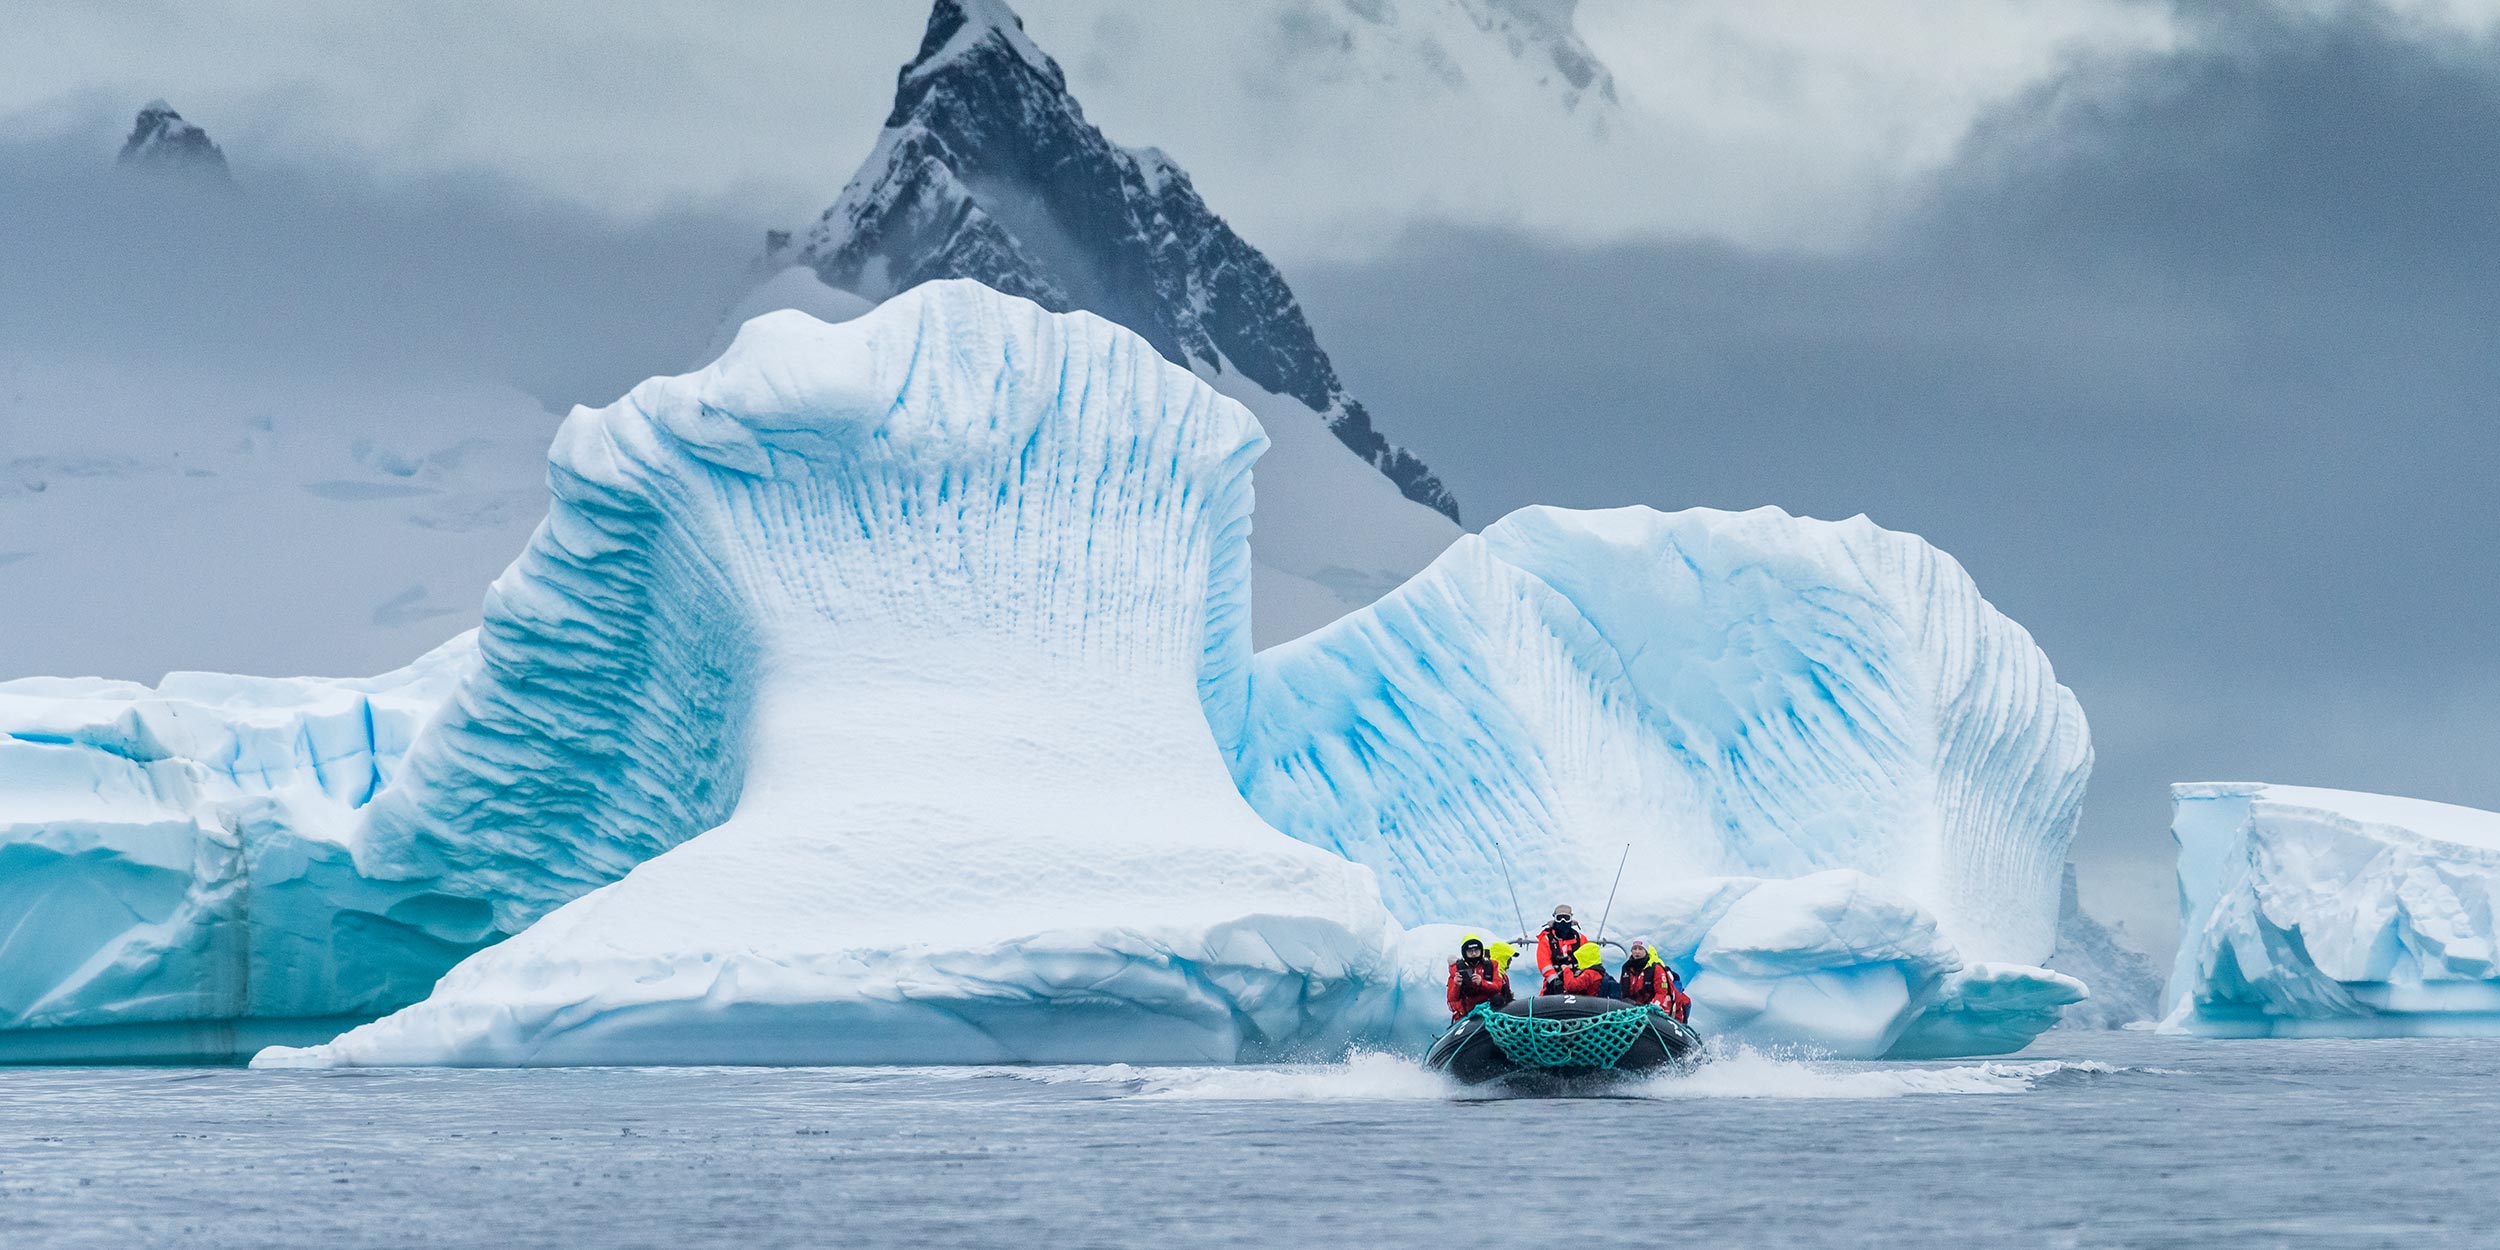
[
  {"x": 1555, "y": 952},
  {"x": 1590, "y": 982},
  {"x": 1655, "y": 983},
  {"x": 1644, "y": 982},
  {"x": 1474, "y": 983}
]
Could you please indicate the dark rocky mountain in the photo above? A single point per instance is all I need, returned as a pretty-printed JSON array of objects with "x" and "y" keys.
[
  {"x": 161, "y": 142},
  {"x": 987, "y": 169}
]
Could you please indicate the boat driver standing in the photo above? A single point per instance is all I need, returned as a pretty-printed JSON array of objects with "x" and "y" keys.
[{"x": 1557, "y": 942}]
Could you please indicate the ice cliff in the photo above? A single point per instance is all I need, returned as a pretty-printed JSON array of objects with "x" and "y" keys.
[{"x": 2330, "y": 913}]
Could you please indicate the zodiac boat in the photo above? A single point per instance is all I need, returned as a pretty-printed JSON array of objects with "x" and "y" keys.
[{"x": 1559, "y": 1037}]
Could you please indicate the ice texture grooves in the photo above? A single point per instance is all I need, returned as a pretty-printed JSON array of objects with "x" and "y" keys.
[
  {"x": 930, "y": 613},
  {"x": 2308, "y": 912},
  {"x": 1735, "y": 694}
]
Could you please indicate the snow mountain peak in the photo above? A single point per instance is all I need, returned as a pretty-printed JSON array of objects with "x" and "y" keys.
[
  {"x": 987, "y": 169},
  {"x": 971, "y": 28},
  {"x": 161, "y": 142}
]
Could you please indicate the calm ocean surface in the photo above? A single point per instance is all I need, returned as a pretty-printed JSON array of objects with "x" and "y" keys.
[{"x": 2086, "y": 1140}]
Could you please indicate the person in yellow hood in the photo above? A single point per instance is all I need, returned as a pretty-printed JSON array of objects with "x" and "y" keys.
[{"x": 1585, "y": 975}]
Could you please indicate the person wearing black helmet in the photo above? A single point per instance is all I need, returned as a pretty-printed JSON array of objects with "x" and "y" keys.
[
  {"x": 1476, "y": 979},
  {"x": 1557, "y": 942}
]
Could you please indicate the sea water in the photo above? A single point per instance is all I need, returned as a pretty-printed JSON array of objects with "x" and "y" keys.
[{"x": 2086, "y": 1140}]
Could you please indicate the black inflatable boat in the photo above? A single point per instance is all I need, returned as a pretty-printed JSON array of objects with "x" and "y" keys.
[{"x": 1561, "y": 1037}]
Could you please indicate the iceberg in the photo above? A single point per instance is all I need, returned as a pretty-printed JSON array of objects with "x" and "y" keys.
[
  {"x": 178, "y": 876},
  {"x": 1708, "y": 699},
  {"x": 927, "y": 625},
  {"x": 2332, "y": 913},
  {"x": 884, "y": 692}
]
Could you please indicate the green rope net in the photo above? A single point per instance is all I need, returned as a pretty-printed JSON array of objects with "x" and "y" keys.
[{"x": 1588, "y": 1042}]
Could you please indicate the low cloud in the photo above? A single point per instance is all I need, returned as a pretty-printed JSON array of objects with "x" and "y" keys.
[
  {"x": 331, "y": 267},
  {"x": 2190, "y": 360}
]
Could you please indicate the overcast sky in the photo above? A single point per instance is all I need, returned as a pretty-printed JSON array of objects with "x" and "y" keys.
[{"x": 2177, "y": 323}]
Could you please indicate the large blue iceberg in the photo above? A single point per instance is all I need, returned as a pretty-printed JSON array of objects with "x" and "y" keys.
[
  {"x": 1718, "y": 702},
  {"x": 2331, "y": 913},
  {"x": 883, "y": 692}
]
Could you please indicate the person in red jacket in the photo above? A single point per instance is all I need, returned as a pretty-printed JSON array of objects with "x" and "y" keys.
[
  {"x": 1475, "y": 980},
  {"x": 1556, "y": 942},
  {"x": 1585, "y": 976},
  {"x": 1648, "y": 979}
]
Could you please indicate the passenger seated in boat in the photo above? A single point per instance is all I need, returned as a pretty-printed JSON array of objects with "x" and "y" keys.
[
  {"x": 1476, "y": 979},
  {"x": 1585, "y": 976},
  {"x": 1647, "y": 979}
]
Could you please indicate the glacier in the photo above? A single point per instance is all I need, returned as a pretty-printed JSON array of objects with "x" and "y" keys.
[{"x": 2331, "y": 913}]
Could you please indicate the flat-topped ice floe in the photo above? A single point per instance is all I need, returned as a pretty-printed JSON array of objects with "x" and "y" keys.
[
  {"x": 178, "y": 876},
  {"x": 920, "y": 622},
  {"x": 2332, "y": 913}
]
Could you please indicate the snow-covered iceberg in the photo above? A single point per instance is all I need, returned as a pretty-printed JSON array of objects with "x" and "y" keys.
[
  {"x": 921, "y": 622},
  {"x": 2331, "y": 913},
  {"x": 177, "y": 863}
]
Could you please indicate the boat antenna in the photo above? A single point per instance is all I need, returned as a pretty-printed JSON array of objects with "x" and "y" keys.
[
  {"x": 1610, "y": 894},
  {"x": 1515, "y": 913}
]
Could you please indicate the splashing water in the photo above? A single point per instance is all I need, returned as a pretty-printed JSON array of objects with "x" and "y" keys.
[
  {"x": 1362, "y": 1076},
  {"x": 1731, "y": 1073},
  {"x": 1747, "y": 1073}
]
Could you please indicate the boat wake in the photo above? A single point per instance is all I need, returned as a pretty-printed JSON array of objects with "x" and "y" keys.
[{"x": 1737, "y": 1072}]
